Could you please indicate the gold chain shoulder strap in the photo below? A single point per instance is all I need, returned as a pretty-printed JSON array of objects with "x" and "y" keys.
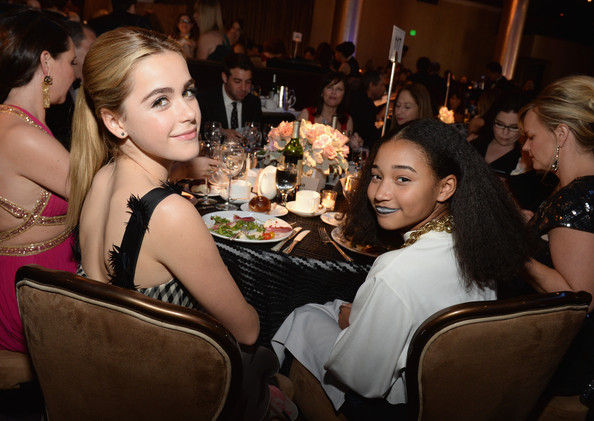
[{"x": 7, "y": 109}]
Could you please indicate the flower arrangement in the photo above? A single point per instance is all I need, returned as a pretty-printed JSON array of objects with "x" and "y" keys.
[
  {"x": 445, "y": 115},
  {"x": 324, "y": 148}
]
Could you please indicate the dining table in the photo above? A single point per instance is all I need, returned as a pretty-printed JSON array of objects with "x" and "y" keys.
[{"x": 276, "y": 283}]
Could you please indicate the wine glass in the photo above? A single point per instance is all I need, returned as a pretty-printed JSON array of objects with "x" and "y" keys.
[
  {"x": 253, "y": 136},
  {"x": 232, "y": 157},
  {"x": 213, "y": 131},
  {"x": 209, "y": 150},
  {"x": 360, "y": 155},
  {"x": 286, "y": 179},
  {"x": 349, "y": 184}
]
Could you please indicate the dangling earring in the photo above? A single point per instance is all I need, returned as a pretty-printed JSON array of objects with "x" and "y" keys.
[
  {"x": 47, "y": 81},
  {"x": 555, "y": 165}
]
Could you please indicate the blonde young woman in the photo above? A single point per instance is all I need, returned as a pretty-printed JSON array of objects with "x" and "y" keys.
[
  {"x": 212, "y": 42},
  {"x": 37, "y": 62},
  {"x": 137, "y": 115}
]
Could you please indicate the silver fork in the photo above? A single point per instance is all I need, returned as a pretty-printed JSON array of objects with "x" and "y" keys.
[
  {"x": 243, "y": 230},
  {"x": 326, "y": 239}
]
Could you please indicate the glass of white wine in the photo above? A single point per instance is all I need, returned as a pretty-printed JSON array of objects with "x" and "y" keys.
[
  {"x": 232, "y": 157},
  {"x": 349, "y": 184},
  {"x": 210, "y": 150},
  {"x": 286, "y": 179}
]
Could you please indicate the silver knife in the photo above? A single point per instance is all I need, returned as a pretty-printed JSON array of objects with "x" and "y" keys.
[
  {"x": 300, "y": 237},
  {"x": 280, "y": 244}
]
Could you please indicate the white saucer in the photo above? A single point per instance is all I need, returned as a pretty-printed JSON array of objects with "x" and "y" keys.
[
  {"x": 241, "y": 201},
  {"x": 330, "y": 218},
  {"x": 277, "y": 210},
  {"x": 291, "y": 207}
]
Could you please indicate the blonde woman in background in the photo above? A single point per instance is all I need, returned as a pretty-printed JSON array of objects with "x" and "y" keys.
[
  {"x": 559, "y": 129},
  {"x": 212, "y": 42}
]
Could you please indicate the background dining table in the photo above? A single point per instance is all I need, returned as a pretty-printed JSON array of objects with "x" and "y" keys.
[{"x": 276, "y": 283}]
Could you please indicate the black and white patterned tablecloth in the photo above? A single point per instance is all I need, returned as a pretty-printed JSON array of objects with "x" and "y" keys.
[{"x": 276, "y": 283}]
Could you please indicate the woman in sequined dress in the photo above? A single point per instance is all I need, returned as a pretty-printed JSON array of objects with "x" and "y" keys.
[
  {"x": 559, "y": 128},
  {"x": 463, "y": 235},
  {"x": 37, "y": 61}
]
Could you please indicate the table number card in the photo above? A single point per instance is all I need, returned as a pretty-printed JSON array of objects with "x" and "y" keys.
[{"x": 397, "y": 44}]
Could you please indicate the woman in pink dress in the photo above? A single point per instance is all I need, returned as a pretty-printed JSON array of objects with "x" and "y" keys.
[{"x": 36, "y": 62}]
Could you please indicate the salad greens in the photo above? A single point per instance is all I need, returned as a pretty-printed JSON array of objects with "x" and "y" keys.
[{"x": 248, "y": 227}]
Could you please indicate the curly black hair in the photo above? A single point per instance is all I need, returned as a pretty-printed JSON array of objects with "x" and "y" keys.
[{"x": 491, "y": 241}]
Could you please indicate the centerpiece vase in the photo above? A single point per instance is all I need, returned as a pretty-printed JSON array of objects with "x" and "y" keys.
[{"x": 315, "y": 181}]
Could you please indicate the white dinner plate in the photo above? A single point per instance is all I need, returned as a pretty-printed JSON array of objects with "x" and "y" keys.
[
  {"x": 336, "y": 235},
  {"x": 261, "y": 218},
  {"x": 330, "y": 218},
  {"x": 291, "y": 207},
  {"x": 223, "y": 195},
  {"x": 277, "y": 210}
]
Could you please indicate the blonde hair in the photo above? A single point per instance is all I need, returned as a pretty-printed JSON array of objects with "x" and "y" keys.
[
  {"x": 107, "y": 83},
  {"x": 568, "y": 101},
  {"x": 210, "y": 17}
]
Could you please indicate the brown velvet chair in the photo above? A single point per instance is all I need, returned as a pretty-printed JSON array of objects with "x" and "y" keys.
[
  {"x": 486, "y": 360},
  {"x": 490, "y": 360},
  {"x": 106, "y": 353}
]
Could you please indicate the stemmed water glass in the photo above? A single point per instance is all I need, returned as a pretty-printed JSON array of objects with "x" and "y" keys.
[
  {"x": 349, "y": 184},
  {"x": 360, "y": 155},
  {"x": 232, "y": 157},
  {"x": 209, "y": 150},
  {"x": 213, "y": 131},
  {"x": 253, "y": 136},
  {"x": 286, "y": 179}
]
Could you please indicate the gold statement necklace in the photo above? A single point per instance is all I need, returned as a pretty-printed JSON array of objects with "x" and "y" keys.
[{"x": 445, "y": 223}]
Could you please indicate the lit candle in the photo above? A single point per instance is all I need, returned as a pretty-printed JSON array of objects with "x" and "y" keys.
[{"x": 328, "y": 199}]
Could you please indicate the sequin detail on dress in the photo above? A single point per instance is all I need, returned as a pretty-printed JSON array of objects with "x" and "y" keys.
[
  {"x": 33, "y": 217},
  {"x": 571, "y": 207}
]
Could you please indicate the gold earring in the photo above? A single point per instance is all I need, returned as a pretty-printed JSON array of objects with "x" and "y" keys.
[
  {"x": 555, "y": 165},
  {"x": 47, "y": 81}
]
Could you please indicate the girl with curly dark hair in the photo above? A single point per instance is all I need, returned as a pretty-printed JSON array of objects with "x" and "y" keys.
[{"x": 462, "y": 236}]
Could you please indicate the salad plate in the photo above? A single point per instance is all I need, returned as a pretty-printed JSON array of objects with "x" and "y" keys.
[{"x": 246, "y": 227}]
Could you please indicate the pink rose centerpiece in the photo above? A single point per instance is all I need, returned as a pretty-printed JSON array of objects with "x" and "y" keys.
[
  {"x": 324, "y": 148},
  {"x": 446, "y": 115}
]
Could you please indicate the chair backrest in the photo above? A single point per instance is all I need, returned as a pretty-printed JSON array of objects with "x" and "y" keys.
[
  {"x": 490, "y": 360},
  {"x": 106, "y": 353}
]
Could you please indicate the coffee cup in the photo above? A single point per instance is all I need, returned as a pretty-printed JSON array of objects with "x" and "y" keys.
[
  {"x": 307, "y": 201},
  {"x": 240, "y": 190}
]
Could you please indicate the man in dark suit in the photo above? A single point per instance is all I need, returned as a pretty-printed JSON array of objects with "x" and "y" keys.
[
  {"x": 124, "y": 14},
  {"x": 362, "y": 107},
  {"x": 495, "y": 78},
  {"x": 232, "y": 104}
]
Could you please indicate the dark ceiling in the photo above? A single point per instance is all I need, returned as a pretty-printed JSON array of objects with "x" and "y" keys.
[{"x": 571, "y": 20}]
